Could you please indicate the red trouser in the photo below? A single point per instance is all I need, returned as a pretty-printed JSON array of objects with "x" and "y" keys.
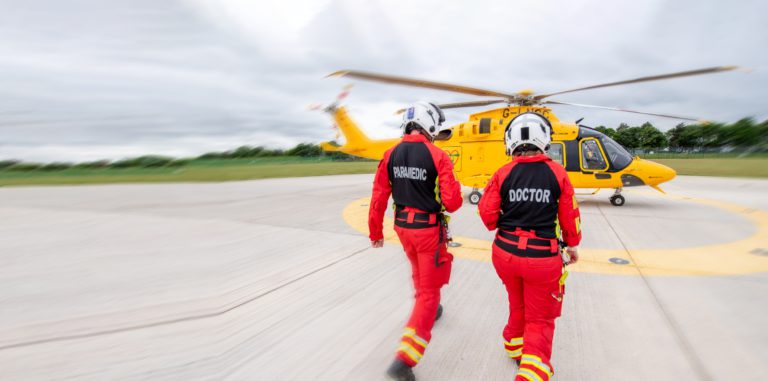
[
  {"x": 535, "y": 300},
  {"x": 420, "y": 246}
]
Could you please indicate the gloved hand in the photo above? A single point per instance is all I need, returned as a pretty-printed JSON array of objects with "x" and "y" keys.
[{"x": 573, "y": 252}]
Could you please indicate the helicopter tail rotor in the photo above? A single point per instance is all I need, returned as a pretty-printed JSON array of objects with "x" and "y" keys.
[{"x": 330, "y": 108}]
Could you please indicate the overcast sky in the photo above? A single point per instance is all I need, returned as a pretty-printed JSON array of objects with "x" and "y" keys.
[{"x": 92, "y": 79}]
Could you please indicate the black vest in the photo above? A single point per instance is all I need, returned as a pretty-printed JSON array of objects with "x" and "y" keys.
[
  {"x": 529, "y": 199},
  {"x": 413, "y": 176}
]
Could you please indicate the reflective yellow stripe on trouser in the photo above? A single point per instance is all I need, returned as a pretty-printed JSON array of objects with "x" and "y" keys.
[
  {"x": 514, "y": 347},
  {"x": 412, "y": 346},
  {"x": 410, "y": 351},
  {"x": 529, "y": 365},
  {"x": 529, "y": 375}
]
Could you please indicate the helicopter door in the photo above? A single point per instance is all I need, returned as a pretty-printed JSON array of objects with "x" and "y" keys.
[{"x": 592, "y": 156}]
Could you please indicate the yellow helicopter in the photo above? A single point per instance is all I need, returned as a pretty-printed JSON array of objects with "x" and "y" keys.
[{"x": 476, "y": 147}]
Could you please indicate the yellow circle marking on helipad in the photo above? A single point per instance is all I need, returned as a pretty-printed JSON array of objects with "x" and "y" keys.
[{"x": 732, "y": 258}]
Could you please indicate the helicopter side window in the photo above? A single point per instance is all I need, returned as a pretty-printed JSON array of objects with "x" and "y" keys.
[
  {"x": 555, "y": 153},
  {"x": 592, "y": 156},
  {"x": 485, "y": 126}
]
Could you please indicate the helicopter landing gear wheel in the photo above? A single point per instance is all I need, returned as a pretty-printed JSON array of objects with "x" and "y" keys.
[
  {"x": 617, "y": 199},
  {"x": 474, "y": 197}
]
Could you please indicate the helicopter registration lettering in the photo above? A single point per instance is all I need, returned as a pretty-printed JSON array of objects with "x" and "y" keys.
[
  {"x": 529, "y": 194},
  {"x": 505, "y": 113}
]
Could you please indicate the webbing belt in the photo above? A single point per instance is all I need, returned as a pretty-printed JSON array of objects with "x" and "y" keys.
[
  {"x": 525, "y": 246},
  {"x": 546, "y": 234},
  {"x": 413, "y": 220}
]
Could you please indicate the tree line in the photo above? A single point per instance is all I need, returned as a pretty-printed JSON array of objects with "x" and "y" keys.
[
  {"x": 745, "y": 134},
  {"x": 303, "y": 150}
]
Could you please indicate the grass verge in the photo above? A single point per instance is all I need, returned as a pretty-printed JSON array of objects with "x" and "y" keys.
[
  {"x": 230, "y": 170},
  {"x": 198, "y": 172},
  {"x": 745, "y": 167}
]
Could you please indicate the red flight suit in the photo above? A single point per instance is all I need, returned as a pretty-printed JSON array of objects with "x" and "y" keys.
[
  {"x": 526, "y": 200},
  {"x": 420, "y": 178}
]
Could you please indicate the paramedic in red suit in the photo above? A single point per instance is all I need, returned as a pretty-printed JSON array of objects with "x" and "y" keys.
[
  {"x": 420, "y": 178},
  {"x": 531, "y": 203}
]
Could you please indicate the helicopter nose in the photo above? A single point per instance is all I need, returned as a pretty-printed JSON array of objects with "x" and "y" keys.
[{"x": 656, "y": 173}]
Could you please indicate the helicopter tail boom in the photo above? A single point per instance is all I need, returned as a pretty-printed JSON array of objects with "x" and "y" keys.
[
  {"x": 357, "y": 142},
  {"x": 353, "y": 134}
]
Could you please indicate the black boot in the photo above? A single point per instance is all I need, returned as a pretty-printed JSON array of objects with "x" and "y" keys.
[
  {"x": 439, "y": 312},
  {"x": 400, "y": 371}
]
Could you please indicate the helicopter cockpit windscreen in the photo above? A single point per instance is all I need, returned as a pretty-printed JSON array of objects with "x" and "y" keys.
[{"x": 617, "y": 154}]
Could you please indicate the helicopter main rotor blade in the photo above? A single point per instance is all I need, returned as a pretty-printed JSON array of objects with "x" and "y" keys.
[
  {"x": 689, "y": 73},
  {"x": 623, "y": 110},
  {"x": 464, "y": 104},
  {"x": 472, "y": 103},
  {"x": 384, "y": 78}
]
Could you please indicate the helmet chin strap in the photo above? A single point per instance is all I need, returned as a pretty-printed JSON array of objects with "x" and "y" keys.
[
  {"x": 420, "y": 131},
  {"x": 527, "y": 150}
]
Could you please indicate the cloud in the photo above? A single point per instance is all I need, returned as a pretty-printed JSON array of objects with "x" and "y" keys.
[{"x": 91, "y": 79}]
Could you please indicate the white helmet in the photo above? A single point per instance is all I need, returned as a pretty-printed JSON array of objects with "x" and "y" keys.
[
  {"x": 528, "y": 128},
  {"x": 426, "y": 115}
]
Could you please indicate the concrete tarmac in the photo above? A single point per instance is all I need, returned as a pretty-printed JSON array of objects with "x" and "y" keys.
[{"x": 273, "y": 280}]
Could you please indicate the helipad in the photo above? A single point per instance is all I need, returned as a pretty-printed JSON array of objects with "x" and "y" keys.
[
  {"x": 272, "y": 280},
  {"x": 697, "y": 222}
]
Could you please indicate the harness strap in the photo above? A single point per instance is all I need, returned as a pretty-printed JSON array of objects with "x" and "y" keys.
[
  {"x": 538, "y": 233},
  {"x": 522, "y": 243},
  {"x": 413, "y": 220}
]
